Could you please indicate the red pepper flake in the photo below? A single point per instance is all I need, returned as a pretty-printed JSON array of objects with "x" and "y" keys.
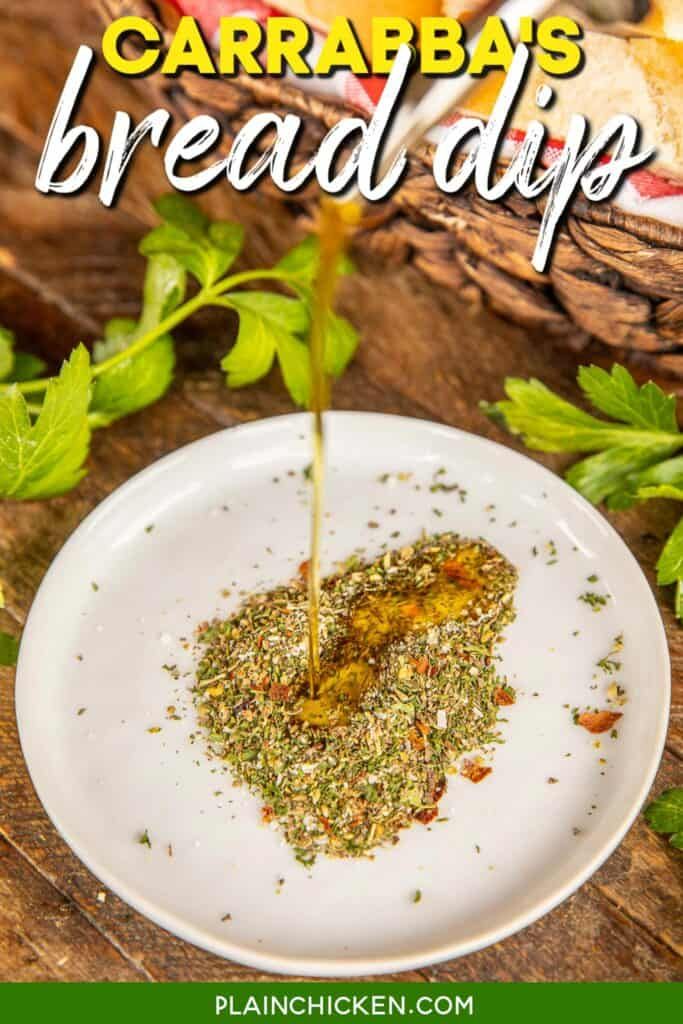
[
  {"x": 428, "y": 814},
  {"x": 502, "y": 697},
  {"x": 456, "y": 571},
  {"x": 267, "y": 814},
  {"x": 279, "y": 691},
  {"x": 475, "y": 772},
  {"x": 416, "y": 740},
  {"x": 421, "y": 664},
  {"x": 598, "y": 721},
  {"x": 325, "y": 822},
  {"x": 303, "y": 569},
  {"x": 439, "y": 790}
]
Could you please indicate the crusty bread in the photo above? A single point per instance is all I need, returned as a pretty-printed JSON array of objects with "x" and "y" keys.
[
  {"x": 640, "y": 76},
  {"x": 665, "y": 18}
]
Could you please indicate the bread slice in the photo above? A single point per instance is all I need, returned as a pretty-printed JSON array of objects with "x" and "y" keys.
[
  {"x": 665, "y": 18},
  {"x": 640, "y": 76}
]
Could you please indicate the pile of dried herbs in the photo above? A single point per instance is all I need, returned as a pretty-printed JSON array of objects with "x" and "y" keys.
[{"x": 408, "y": 685}]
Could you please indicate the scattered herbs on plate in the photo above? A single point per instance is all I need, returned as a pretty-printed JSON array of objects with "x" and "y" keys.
[{"x": 409, "y": 685}]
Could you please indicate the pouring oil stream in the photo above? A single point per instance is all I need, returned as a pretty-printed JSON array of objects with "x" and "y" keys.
[{"x": 337, "y": 221}]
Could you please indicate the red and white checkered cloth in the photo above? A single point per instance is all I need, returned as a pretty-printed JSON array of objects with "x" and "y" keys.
[{"x": 643, "y": 192}]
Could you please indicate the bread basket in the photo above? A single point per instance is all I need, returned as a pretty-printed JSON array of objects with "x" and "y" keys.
[{"x": 614, "y": 276}]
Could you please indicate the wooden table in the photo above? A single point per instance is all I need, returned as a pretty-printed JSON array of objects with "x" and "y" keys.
[{"x": 68, "y": 265}]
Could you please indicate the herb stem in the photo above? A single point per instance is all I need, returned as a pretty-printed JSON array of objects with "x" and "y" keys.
[
  {"x": 141, "y": 343},
  {"x": 252, "y": 275},
  {"x": 205, "y": 297}
]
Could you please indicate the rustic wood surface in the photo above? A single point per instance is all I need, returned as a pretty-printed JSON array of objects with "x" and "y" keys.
[{"x": 66, "y": 266}]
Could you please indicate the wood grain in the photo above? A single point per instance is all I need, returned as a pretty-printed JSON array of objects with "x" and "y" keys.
[{"x": 68, "y": 265}]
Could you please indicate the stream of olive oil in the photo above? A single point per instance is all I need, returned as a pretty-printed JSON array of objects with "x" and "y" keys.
[
  {"x": 338, "y": 685},
  {"x": 336, "y": 224}
]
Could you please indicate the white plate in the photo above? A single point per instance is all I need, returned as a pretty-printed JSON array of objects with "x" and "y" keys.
[{"x": 514, "y": 845}]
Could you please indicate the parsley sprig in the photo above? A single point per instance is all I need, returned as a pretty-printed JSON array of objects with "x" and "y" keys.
[
  {"x": 634, "y": 450},
  {"x": 46, "y": 423},
  {"x": 665, "y": 814}
]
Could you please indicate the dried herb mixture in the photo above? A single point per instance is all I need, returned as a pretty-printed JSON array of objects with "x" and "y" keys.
[{"x": 408, "y": 686}]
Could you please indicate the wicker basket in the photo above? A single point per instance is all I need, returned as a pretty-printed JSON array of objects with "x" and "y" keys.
[{"x": 613, "y": 276}]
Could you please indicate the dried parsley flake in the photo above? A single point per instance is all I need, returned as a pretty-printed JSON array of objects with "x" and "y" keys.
[{"x": 403, "y": 639}]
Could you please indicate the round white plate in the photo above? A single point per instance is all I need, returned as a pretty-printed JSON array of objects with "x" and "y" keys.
[{"x": 230, "y": 513}]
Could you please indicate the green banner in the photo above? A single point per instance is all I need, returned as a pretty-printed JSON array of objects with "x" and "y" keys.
[{"x": 250, "y": 1002}]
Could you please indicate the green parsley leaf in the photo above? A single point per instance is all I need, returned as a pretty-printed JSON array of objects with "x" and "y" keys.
[
  {"x": 605, "y": 477},
  {"x": 6, "y": 353},
  {"x": 117, "y": 337},
  {"x": 670, "y": 564},
  {"x": 341, "y": 338},
  {"x": 183, "y": 214},
  {"x": 618, "y": 395},
  {"x": 635, "y": 451},
  {"x": 167, "y": 240},
  {"x": 229, "y": 238},
  {"x": 665, "y": 814},
  {"x": 134, "y": 383},
  {"x": 17, "y": 366},
  {"x": 26, "y": 367},
  {"x": 281, "y": 312},
  {"x": 662, "y": 491},
  {"x": 302, "y": 261},
  {"x": 662, "y": 481},
  {"x": 141, "y": 380},
  {"x": 9, "y": 650},
  {"x": 252, "y": 355},
  {"x": 550, "y": 424},
  {"x": 269, "y": 325},
  {"x": 205, "y": 249},
  {"x": 46, "y": 458},
  {"x": 295, "y": 364},
  {"x": 44, "y": 444},
  {"x": 341, "y": 342},
  {"x": 163, "y": 290}
]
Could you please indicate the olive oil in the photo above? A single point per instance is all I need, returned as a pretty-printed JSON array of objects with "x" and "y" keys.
[
  {"x": 379, "y": 620},
  {"x": 336, "y": 223},
  {"x": 335, "y": 688}
]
